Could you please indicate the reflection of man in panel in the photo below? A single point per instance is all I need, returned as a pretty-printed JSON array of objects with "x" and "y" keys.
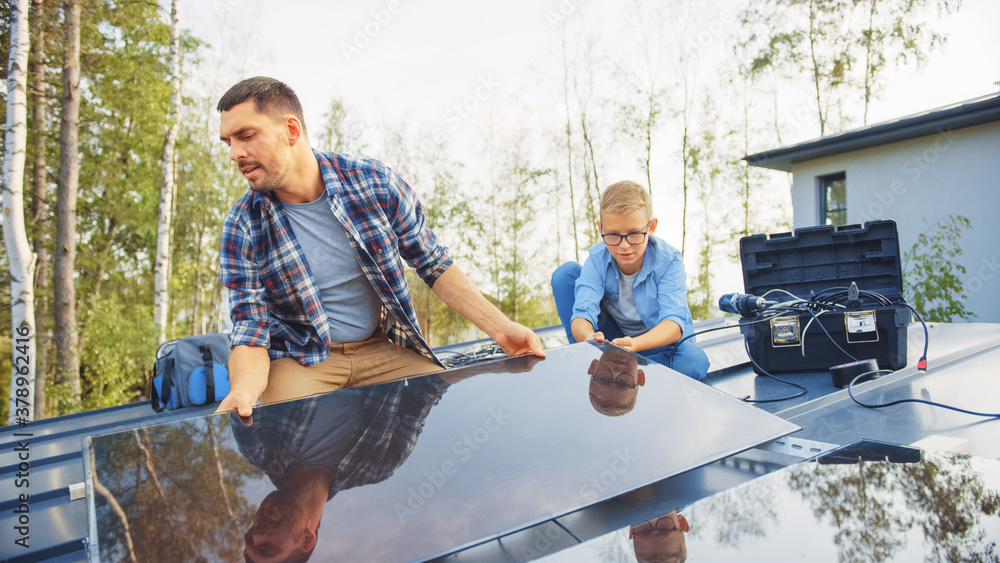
[{"x": 313, "y": 448}]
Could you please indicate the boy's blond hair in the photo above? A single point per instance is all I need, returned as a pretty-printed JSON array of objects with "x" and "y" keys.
[{"x": 626, "y": 197}]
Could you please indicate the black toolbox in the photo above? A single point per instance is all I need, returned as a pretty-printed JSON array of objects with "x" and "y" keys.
[{"x": 804, "y": 264}]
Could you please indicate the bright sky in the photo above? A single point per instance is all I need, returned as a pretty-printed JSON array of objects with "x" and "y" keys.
[
  {"x": 412, "y": 61},
  {"x": 427, "y": 55}
]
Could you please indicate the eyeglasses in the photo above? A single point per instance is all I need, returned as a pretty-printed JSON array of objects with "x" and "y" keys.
[
  {"x": 659, "y": 526},
  {"x": 632, "y": 238},
  {"x": 605, "y": 376}
]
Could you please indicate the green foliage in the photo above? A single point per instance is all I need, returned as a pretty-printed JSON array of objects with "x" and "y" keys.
[
  {"x": 450, "y": 215},
  {"x": 6, "y": 353},
  {"x": 206, "y": 187},
  {"x": 517, "y": 280},
  {"x": 842, "y": 46},
  {"x": 875, "y": 506},
  {"x": 933, "y": 273},
  {"x": 118, "y": 351},
  {"x": 341, "y": 130},
  {"x": 709, "y": 159},
  {"x": 203, "y": 500}
]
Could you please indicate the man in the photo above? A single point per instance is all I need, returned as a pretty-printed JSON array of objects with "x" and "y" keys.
[{"x": 312, "y": 255}]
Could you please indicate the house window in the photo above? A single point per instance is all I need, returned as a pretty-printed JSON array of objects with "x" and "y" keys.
[{"x": 833, "y": 199}]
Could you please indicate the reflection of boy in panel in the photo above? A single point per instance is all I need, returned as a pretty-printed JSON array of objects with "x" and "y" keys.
[{"x": 661, "y": 539}]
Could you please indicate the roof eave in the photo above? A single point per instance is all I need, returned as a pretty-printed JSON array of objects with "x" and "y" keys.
[{"x": 966, "y": 114}]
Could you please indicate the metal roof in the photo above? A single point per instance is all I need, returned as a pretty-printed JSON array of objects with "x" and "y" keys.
[
  {"x": 961, "y": 371},
  {"x": 977, "y": 111}
]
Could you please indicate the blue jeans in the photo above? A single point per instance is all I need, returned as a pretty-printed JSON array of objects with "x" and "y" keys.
[{"x": 687, "y": 358}]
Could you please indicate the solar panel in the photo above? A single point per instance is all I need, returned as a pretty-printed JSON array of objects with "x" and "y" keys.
[
  {"x": 411, "y": 469},
  {"x": 864, "y": 502}
]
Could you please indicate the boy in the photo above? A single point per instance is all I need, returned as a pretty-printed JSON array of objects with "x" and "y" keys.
[{"x": 632, "y": 289}]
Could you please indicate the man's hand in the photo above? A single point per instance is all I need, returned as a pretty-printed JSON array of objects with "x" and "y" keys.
[
  {"x": 240, "y": 400},
  {"x": 248, "y": 367},
  {"x": 459, "y": 293},
  {"x": 518, "y": 340}
]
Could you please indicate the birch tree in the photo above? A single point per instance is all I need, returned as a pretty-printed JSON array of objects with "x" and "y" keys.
[
  {"x": 569, "y": 147},
  {"x": 64, "y": 287},
  {"x": 162, "y": 267},
  {"x": 19, "y": 255},
  {"x": 39, "y": 201}
]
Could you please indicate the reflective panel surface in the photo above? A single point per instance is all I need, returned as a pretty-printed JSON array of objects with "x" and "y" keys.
[
  {"x": 411, "y": 469},
  {"x": 861, "y": 503}
]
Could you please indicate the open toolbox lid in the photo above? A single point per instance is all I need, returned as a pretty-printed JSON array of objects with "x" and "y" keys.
[{"x": 812, "y": 259}]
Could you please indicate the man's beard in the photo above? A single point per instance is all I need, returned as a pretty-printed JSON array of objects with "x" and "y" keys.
[{"x": 263, "y": 185}]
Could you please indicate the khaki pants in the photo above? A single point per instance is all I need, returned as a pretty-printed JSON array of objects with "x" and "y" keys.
[{"x": 352, "y": 364}]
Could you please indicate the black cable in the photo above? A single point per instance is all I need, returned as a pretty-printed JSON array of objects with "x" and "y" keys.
[
  {"x": 675, "y": 345},
  {"x": 778, "y": 309},
  {"x": 803, "y": 391},
  {"x": 922, "y": 362},
  {"x": 762, "y": 372},
  {"x": 922, "y": 401},
  {"x": 482, "y": 354}
]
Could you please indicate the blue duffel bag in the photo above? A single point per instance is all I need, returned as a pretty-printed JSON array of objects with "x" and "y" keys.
[{"x": 191, "y": 371}]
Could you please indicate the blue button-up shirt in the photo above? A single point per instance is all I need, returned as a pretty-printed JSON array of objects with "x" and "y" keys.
[
  {"x": 660, "y": 288},
  {"x": 275, "y": 303}
]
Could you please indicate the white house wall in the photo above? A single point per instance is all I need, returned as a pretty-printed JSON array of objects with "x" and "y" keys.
[{"x": 917, "y": 183}]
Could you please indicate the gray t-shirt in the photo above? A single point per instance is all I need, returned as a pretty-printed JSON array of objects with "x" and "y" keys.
[
  {"x": 624, "y": 312},
  {"x": 351, "y": 304}
]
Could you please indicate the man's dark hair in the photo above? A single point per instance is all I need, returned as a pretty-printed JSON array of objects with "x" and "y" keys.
[{"x": 269, "y": 95}]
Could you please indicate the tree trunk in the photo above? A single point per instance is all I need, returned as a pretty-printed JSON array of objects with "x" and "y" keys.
[
  {"x": 162, "y": 267},
  {"x": 816, "y": 68},
  {"x": 196, "y": 314},
  {"x": 685, "y": 158},
  {"x": 64, "y": 287},
  {"x": 40, "y": 199},
  {"x": 19, "y": 255},
  {"x": 569, "y": 150}
]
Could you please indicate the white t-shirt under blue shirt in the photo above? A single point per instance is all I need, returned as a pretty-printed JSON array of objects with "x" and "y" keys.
[{"x": 623, "y": 310}]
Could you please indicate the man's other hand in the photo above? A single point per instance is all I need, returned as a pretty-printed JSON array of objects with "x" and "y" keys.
[{"x": 518, "y": 340}]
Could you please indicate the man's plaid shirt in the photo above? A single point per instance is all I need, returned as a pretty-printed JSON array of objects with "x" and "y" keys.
[
  {"x": 390, "y": 421},
  {"x": 275, "y": 303}
]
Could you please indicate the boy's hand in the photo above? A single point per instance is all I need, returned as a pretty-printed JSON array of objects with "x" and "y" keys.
[
  {"x": 625, "y": 342},
  {"x": 598, "y": 337}
]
